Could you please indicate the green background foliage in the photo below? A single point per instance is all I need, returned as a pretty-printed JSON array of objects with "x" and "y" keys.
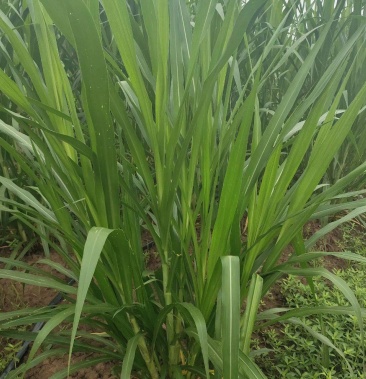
[{"x": 185, "y": 121}]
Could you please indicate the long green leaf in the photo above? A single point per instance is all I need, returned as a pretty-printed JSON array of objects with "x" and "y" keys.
[
  {"x": 230, "y": 316},
  {"x": 129, "y": 357}
]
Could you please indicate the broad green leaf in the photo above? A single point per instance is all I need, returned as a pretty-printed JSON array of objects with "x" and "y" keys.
[
  {"x": 230, "y": 316},
  {"x": 247, "y": 368},
  {"x": 94, "y": 245}
]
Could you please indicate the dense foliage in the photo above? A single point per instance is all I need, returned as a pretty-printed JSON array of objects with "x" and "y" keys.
[
  {"x": 217, "y": 128},
  {"x": 291, "y": 353}
]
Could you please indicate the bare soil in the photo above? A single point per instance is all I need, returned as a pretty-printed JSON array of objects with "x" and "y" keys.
[{"x": 15, "y": 295}]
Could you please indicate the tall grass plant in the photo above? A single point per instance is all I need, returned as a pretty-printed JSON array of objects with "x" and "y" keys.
[{"x": 154, "y": 116}]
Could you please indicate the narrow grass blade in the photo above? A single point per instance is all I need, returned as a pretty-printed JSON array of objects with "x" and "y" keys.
[
  {"x": 324, "y": 340},
  {"x": 129, "y": 357},
  {"x": 332, "y": 225},
  {"x": 37, "y": 280},
  {"x": 50, "y": 325},
  {"x": 274, "y": 315},
  {"x": 250, "y": 314},
  {"x": 28, "y": 198},
  {"x": 200, "y": 325},
  {"x": 343, "y": 287}
]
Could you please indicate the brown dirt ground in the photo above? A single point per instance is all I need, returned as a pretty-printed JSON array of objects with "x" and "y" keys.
[
  {"x": 14, "y": 296},
  {"x": 52, "y": 365}
]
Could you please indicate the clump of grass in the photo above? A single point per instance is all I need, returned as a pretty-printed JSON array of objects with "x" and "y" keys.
[{"x": 165, "y": 115}]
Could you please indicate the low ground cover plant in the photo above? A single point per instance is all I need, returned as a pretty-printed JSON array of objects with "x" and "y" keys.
[
  {"x": 208, "y": 126},
  {"x": 293, "y": 349}
]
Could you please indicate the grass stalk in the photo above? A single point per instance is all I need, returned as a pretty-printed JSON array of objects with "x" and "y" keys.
[{"x": 147, "y": 355}]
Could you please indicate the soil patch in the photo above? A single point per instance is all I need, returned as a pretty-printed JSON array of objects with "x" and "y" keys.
[
  {"x": 52, "y": 365},
  {"x": 14, "y": 295}
]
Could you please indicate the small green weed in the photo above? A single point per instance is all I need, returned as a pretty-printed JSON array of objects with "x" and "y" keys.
[
  {"x": 352, "y": 238},
  {"x": 296, "y": 354},
  {"x": 8, "y": 352}
]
